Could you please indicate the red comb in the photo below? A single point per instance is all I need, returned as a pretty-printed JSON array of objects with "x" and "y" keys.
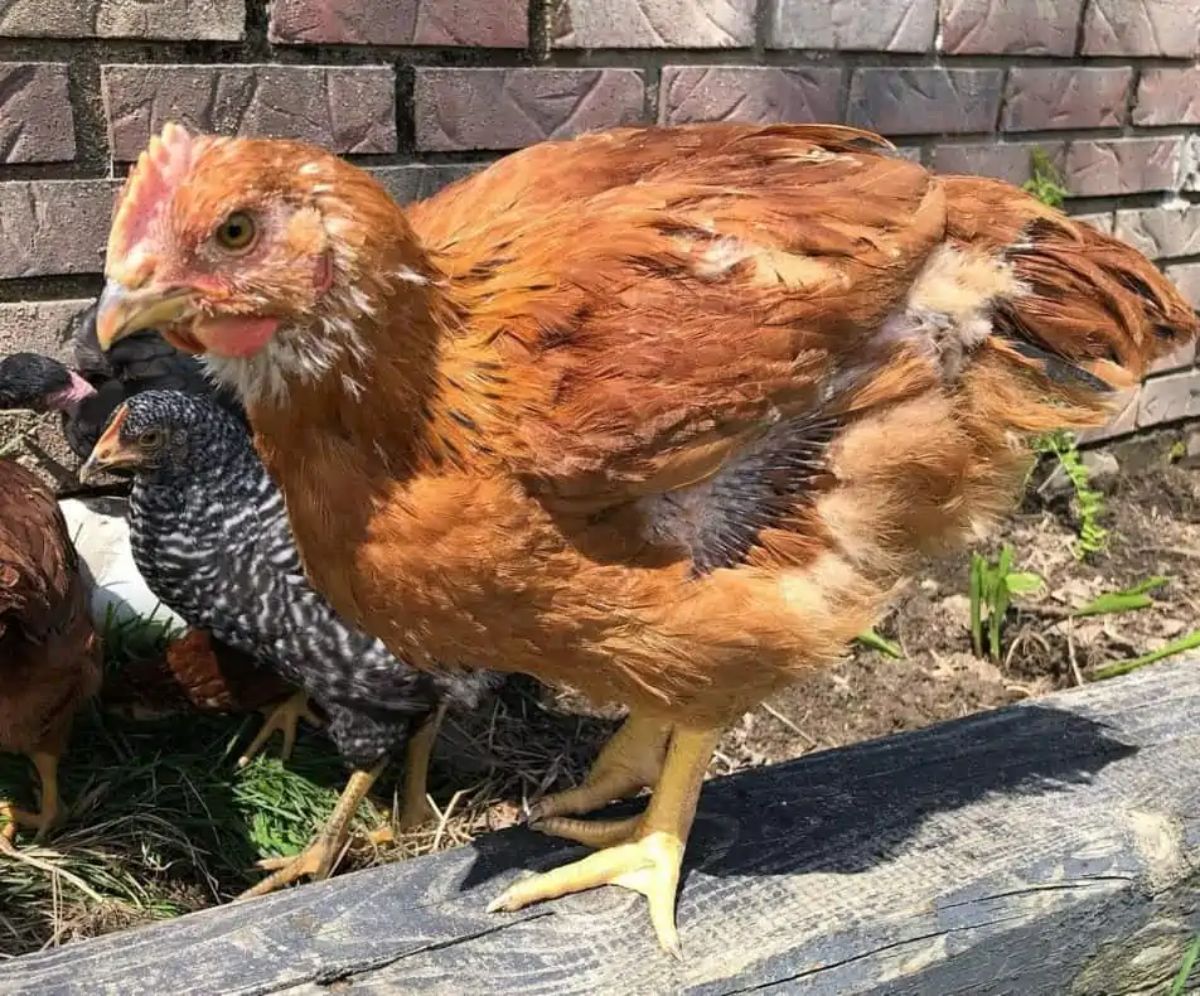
[{"x": 160, "y": 169}]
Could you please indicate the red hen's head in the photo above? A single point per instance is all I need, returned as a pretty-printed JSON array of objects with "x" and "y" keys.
[{"x": 261, "y": 254}]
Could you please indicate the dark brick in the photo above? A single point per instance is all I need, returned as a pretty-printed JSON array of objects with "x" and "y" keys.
[
  {"x": 747, "y": 93},
  {"x": 1161, "y": 231},
  {"x": 36, "y": 123},
  {"x": 1107, "y": 167},
  {"x": 54, "y": 226},
  {"x": 1169, "y": 398},
  {"x": 1168, "y": 96},
  {"x": 511, "y": 108},
  {"x": 38, "y": 326},
  {"x": 1142, "y": 27},
  {"x": 882, "y": 25},
  {"x": 925, "y": 101},
  {"x": 349, "y": 109},
  {"x": 416, "y": 182},
  {"x": 1187, "y": 279},
  {"x": 1039, "y": 98},
  {"x": 212, "y": 20},
  {"x": 1010, "y": 27},
  {"x": 1011, "y": 162},
  {"x": 654, "y": 24},
  {"x": 483, "y": 23}
]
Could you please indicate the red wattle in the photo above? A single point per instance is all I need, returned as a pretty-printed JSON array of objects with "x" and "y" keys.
[{"x": 237, "y": 338}]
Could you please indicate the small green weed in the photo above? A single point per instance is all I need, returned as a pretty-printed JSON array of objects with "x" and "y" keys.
[
  {"x": 1089, "y": 503},
  {"x": 1046, "y": 184},
  {"x": 1125, "y": 600},
  {"x": 869, "y": 638},
  {"x": 992, "y": 588},
  {"x": 1182, "y": 645}
]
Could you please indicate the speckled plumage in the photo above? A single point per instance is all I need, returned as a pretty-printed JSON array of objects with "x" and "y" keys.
[{"x": 210, "y": 536}]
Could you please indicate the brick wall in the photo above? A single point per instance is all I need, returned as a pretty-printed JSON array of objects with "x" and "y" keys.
[{"x": 422, "y": 91}]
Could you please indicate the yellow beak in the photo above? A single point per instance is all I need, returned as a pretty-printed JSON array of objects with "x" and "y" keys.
[{"x": 122, "y": 312}]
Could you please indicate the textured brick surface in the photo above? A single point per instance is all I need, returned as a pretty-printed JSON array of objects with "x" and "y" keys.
[
  {"x": 414, "y": 183},
  {"x": 1169, "y": 398},
  {"x": 1161, "y": 231},
  {"x": 36, "y": 123},
  {"x": 736, "y": 93},
  {"x": 345, "y": 109},
  {"x": 485, "y": 23},
  {"x": 1011, "y": 162},
  {"x": 920, "y": 101},
  {"x": 1104, "y": 222},
  {"x": 886, "y": 25},
  {"x": 1187, "y": 279},
  {"x": 654, "y": 24},
  {"x": 1122, "y": 166},
  {"x": 1142, "y": 27},
  {"x": 508, "y": 108},
  {"x": 40, "y": 326},
  {"x": 1040, "y": 98},
  {"x": 1168, "y": 96},
  {"x": 217, "y": 20},
  {"x": 1012, "y": 27},
  {"x": 1183, "y": 357},
  {"x": 1122, "y": 422},
  {"x": 53, "y": 226}
]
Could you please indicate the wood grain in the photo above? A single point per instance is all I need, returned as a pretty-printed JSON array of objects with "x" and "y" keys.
[{"x": 1052, "y": 847}]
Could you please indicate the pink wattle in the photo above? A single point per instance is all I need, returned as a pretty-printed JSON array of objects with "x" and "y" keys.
[{"x": 237, "y": 338}]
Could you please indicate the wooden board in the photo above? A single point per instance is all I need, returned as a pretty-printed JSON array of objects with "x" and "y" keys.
[{"x": 1049, "y": 848}]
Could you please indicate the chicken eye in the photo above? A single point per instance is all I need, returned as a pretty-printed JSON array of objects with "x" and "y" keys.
[
  {"x": 151, "y": 438},
  {"x": 236, "y": 232}
]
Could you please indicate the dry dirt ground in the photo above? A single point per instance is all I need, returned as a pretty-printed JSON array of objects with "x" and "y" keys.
[{"x": 530, "y": 740}]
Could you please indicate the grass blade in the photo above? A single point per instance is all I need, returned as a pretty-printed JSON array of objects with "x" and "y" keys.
[
  {"x": 1189, "y": 642},
  {"x": 1185, "y": 970},
  {"x": 869, "y": 638},
  {"x": 1125, "y": 600}
]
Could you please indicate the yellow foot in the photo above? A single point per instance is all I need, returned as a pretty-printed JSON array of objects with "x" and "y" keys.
[
  {"x": 317, "y": 861},
  {"x": 284, "y": 717},
  {"x": 629, "y": 762},
  {"x": 592, "y": 833},
  {"x": 649, "y": 865},
  {"x": 47, "y": 816},
  {"x": 416, "y": 809}
]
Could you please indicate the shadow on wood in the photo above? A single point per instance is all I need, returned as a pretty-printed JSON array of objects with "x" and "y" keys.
[{"x": 1051, "y": 847}]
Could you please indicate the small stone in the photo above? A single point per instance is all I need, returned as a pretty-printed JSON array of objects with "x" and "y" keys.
[{"x": 1191, "y": 456}]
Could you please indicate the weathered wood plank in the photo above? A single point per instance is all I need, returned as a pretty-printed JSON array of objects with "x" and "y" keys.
[{"x": 1053, "y": 847}]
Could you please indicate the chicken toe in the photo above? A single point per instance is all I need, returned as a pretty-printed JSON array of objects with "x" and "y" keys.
[
  {"x": 629, "y": 762},
  {"x": 283, "y": 717},
  {"x": 317, "y": 861},
  {"x": 416, "y": 809},
  {"x": 650, "y": 861},
  {"x": 47, "y": 815}
]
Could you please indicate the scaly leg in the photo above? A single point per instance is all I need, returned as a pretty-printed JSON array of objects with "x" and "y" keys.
[
  {"x": 630, "y": 761},
  {"x": 649, "y": 863},
  {"x": 318, "y": 859},
  {"x": 46, "y": 764},
  {"x": 284, "y": 717},
  {"x": 416, "y": 809}
]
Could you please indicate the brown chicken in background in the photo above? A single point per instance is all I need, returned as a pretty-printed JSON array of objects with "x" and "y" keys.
[
  {"x": 197, "y": 671},
  {"x": 49, "y": 652},
  {"x": 661, "y": 414}
]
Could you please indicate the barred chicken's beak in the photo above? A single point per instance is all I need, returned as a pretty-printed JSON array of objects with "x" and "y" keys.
[
  {"x": 109, "y": 452},
  {"x": 122, "y": 312}
]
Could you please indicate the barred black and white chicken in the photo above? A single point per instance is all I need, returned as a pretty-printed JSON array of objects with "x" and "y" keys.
[{"x": 211, "y": 537}]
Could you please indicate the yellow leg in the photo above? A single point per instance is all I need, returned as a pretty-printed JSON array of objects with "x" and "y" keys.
[
  {"x": 630, "y": 761},
  {"x": 318, "y": 859},
  {"x": 283, "y": 717},
  {"x": 44, "y": 819},
  {"x": 416, "y": 809},
  {"x": 649, "y": 862}
]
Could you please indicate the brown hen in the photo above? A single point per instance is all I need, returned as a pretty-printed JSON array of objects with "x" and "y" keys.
[
  {"x": 49, "y": 653},
  {"x": 663, "y": 414}
]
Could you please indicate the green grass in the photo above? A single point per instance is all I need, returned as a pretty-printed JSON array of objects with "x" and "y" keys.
[
  {"x": 1179, "y": 984},
  {"x": 1089, "y": 503},
  {"x": 993, "y": 585}
]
